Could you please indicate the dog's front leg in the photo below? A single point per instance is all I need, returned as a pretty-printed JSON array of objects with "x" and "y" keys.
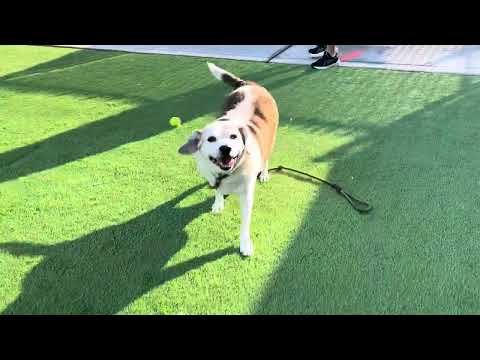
[
  {"x": 219, "y": 203},
  {"x": 263, "y": 176},
  {"x": 246, "y": 206}
]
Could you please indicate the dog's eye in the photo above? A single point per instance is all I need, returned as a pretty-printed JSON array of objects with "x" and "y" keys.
[
  {"x": 233, "y": 136},
  {"x": 212, "y": 139}
]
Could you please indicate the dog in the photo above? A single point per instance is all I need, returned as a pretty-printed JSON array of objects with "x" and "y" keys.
[{"x": 234, "y": 150}]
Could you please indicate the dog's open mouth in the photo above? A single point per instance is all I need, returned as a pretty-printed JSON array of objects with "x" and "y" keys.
[{"x": 225, "y": 163}]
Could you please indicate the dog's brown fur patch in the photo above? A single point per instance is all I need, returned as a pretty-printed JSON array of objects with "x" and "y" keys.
[{"x": 264, "y": 121}]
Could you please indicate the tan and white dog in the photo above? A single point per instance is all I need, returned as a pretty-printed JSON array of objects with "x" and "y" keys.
[{"x": 233, "y": 151}]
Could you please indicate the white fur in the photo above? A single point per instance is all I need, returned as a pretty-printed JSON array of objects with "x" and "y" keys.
[
  {"x": 218, "y": 72},
  {"x": 205, "y": 167},
  {"x": 264, "y": 173},
  {"x": 219, "y": 203},
  {"x": 244, "y": 110},
  {"x": 246, "y": 207},
  {"x": 221, "y": 130}
]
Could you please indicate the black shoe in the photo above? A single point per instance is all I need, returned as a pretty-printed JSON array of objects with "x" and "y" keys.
[
  {"x": 325, "y": 61},
  {"x": 318, "y": 50}
]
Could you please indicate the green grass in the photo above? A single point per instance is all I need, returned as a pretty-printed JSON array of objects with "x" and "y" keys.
[{"x": 99, "y": 214}]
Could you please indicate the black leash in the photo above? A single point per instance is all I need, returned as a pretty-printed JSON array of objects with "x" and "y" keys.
[
  {"x": 278, "y": 52},
  {"x": 360, "y": 206}
]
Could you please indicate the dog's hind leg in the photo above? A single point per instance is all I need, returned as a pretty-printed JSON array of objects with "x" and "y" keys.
[
  {"x": 219, "y": 203},
  {"x": 263, "y": 176}
]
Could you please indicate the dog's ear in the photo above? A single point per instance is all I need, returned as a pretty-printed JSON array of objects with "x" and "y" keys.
[{"x": 192, "y": 145}]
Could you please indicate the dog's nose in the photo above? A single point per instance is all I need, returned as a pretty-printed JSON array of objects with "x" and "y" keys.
[{"x": 225, "y": 150}]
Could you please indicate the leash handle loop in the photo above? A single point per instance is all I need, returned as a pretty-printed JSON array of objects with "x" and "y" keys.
[{"x": 359, "y": 205}]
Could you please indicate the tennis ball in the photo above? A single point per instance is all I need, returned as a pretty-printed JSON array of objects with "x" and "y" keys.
[{"x": 175, "y": 121}]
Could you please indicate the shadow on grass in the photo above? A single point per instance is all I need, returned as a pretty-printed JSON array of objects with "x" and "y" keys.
[
  {"x": 78, "y": 57},
  {"x": 103, "y": 272},
  {"x": 418, "y": 251},
  {"x": 150, "y": 118}
]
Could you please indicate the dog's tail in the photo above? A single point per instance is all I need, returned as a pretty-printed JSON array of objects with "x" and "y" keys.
[{"x": 226, "y": 77}]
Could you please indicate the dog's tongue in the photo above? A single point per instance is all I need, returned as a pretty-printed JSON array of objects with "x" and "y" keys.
[{"x": 228, "y": 162}]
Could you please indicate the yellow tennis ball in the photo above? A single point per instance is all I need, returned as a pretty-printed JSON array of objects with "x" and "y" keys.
[{"x": 175, "y": 121}]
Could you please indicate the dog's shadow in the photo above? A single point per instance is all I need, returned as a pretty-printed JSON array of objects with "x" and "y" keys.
[{"x": 104, "y": 271}]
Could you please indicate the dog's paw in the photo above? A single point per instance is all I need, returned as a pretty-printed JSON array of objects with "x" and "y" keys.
[
  {"x": 264, "y": 177},
  {"x": 246, "y": 248},
  {"x": 218, "y": 206}
]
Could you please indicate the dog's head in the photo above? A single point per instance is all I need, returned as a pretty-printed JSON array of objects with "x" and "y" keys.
[{"x": 222, "y": 143}]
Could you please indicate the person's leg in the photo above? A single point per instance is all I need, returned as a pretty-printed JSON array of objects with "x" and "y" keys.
[
  {"x": 317, "y": 50},
  {"x": 331, "y": 50},
  {"x": 329, "y": 58}
]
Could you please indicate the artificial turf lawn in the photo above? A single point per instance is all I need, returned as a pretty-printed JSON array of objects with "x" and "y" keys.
[{"x": 99, "y": 214}]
